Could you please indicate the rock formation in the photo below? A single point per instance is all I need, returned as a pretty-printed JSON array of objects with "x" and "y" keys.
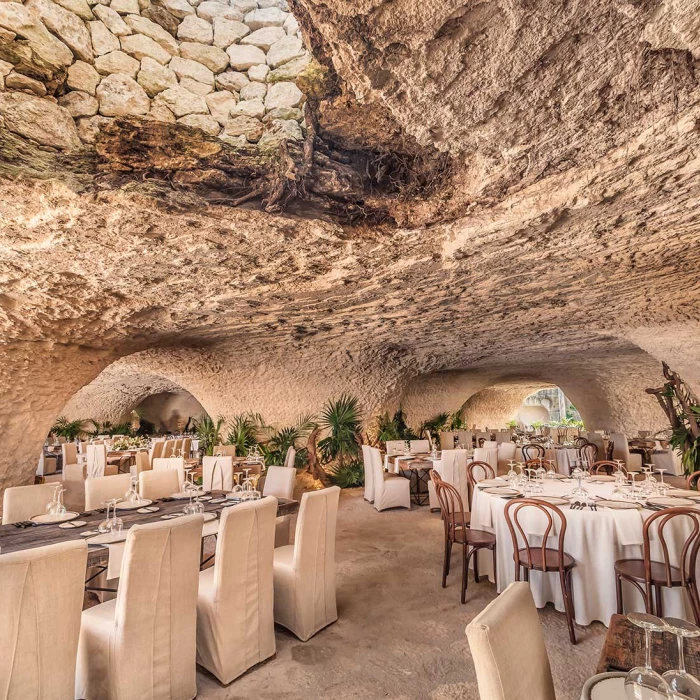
[{"x": 447, "y": 205}]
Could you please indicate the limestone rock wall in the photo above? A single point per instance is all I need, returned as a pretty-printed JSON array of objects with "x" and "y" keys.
[{"x": 68, "y": 67}]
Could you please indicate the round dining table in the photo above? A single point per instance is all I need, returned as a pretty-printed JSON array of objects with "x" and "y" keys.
[{"x": 594, "y": 538}]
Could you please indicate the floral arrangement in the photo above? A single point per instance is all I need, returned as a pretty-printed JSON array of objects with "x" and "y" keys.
[{"x": 130, "y": 443}]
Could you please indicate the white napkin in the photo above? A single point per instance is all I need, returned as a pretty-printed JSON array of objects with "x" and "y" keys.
[{"x": 628, "y": 524}]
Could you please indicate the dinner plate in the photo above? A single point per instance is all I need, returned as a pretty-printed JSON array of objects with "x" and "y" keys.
[
  {"x": 181, "y": 495},
  {"x": 72, "y": 524},
  {"x": 501, "y": 491},
  {"x": 493, "y": 482},
  {"x": 602, "y": 478},
  {"x": 46, "y": 519},
  {"x": 619, "y": 505},
  {"x": 124, "y": 505},
  {"x": 605, "y": 686},
  {"x": 147, "y": 510},
  {"x": 683, "y": 493},
  {"x": 554, "y": 500},
  {"x": 670, "y": 502},
  {"x": 109, "y": 537}
]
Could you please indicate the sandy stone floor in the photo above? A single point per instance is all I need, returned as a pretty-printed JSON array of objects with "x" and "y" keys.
[{"x": 400, "y": 635}]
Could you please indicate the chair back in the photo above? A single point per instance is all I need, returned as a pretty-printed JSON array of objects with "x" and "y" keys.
[
  {"x": 24, "y": 502},
  {"x": 177, "y": 448},
  {"x": 177, "y": 464},
  {"x": 279, "y": 482},
  {"x": 187, "y": 448},
  {"x": 687, "y": 559},
  {"x": 73, "y": 472},
  {"x": 447, "y": 440},
  {"x": 69, "y": 453},
  {"x": 217, "y": 473},
  {"x": 621, "y": 449},
  {"x": 465, "y": 438},
  {"x": 46, "y": 466},
  {"x": 451, "y": 504},
  {"x": 96, "y": 460},
  {"x": 533, "y": 451},
  {"x": 369, "y": 473},
  {"x": 41, "y": 586},
  {"x": 453, "y": 470},
  {"x": 477, "y": 471},
  {"x": 290, "y": 458},
  {"x": 692, "y": 481},
  {"x": 490, "y": 456},
  {"x": 587, "y": 453},
  {"x": 503, "y": 664},
  {"x": 506, "y": 451},
  {"x": 102, "y": 488},
  {"x": 142, "y": 463},
  {"x": 550, "y": 521},
  {"x": 580, "y": 441},
  {"x": 394, "y": 447},
  {"x": 606, "y": 466},
  {"x": 168, "y": 449},
  {"x": 158, "y": 483},
  {"x": 419, "y": 446},
  {"x": 537, "y": 463},
  {"x": 225, "y": 450},
  {"x": 153, "y": 644},
  {"x": 490, "y": 444},
  {"x": 156, "y": 451}
]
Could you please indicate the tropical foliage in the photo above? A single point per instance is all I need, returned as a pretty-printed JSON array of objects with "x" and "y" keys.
[
  {"x": 209, "y": 431},
  {"x": 70, "y": 430},
  {"x": 348, "y": 475},
  {"x": 394, "y": 428},
  {"x": 245, "y": 430},
  {"x": 341, "y": 418},
  {"x": 275, "y": 448}
]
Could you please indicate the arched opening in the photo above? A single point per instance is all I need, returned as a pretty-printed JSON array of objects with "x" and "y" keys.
[{"x": 169, "y": 411}]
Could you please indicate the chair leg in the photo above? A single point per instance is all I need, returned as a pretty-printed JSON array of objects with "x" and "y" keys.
[
  {"x": 446, "y": 563},
  {"x": 465, "y": 570},
  {"x": 618, "y": 593},
  {"x": 476, "y": 564},
  {"x": 495, "y": 573},
  {"x": 659, "y": 612},
  {"x": 567, "y": 592},
  {"x": 694, "y": 601}
]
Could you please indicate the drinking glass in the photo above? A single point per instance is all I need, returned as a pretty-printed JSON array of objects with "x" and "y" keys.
[
  {"x": 662, "y": 487},
  {"x": 196, "y": 506},
  {"x": 642, "y": 682},
  {"x": 132, "y": 495},
  {"x": 105, "y": 525},
  {"x": 579, "y": 493},
  {"x": 681, "y": 683},
  {"x": 56, "y": 507},
  {"x": 116, "y": 523}
]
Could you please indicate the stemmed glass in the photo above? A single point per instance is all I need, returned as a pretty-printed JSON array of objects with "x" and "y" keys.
[
  {"x": 56, "y": 507},
  {"x": 193, "y": 508},
  {"x": 579, "y": 493},
  {"x": 132, "y": 495},
  {"x": 662, "y": 487},
  {"x": 642, "y": 682},
  {"x": 113, "y": 524},
  {"x": 681, "y": 683}
]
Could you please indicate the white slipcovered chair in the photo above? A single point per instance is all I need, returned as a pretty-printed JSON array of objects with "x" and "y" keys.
[
  {"x": 235, "y": 622},
  {"x": 217, "y": 473},
  {"x": 490, "y": 444},
  {"x": 621, "y": 450},
  {"x": 279, "y": 482},
  {"x": 142, "y": 644},
  {"x": 168, "y": 449},
  {"x": 102, "y": 488},
  {"x": 24, "y": 502},
  {"x": 290, "y": 457},
  {"x": 490, "y": 456},
  {"x": 177, "y": 464},
  {"x": 69, "y": 453},
  {"x": 41, "y": 586},
  {"x": 506, "y": 453},
  {"x": 447, "y": 440},
  {"x": 389, "y": 492},
  {"x": 393, "y": 447},
  {"x": 73, "y": 472},
  {"x": 597, "y": 440},
  {"x": 369, "y": 473},
  {"x": 225, "y": 450},
  {"x": 508, "y": 649},
  {"x": 97, "y": 462},
  {"x": 465, "y": 438},
  {"x": 419, "y": 446},
  {"x": 141, "y": 463},
  {"x": 156, "y": 450},
  {"x": 304, "y": 572},
  {"x": 46, "y": 466},
  {"x": 452, "y": 468},
  {"x": 158, "y": 484},
  {"x": 503, "y": 436}
]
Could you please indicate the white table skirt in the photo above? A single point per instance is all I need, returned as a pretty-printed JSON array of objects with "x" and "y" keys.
[
  {"x": 595, "y": 539},
  {"x": 563, "y": 457},
  {"x": 668, "y": 460}
]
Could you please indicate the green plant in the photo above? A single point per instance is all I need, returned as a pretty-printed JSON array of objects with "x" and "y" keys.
[
  {"x": 245, "y": 430},
  {"x": 512, "y": 424},
  {"x": 536, "y": 425},
  {"x": 394, "y": 428},
  {"x": 434, "y": 425},
  {"x": 341, "y": 418},
  {"x": 348, "y": 475},
  {"x": 275, "y": 448},
  {"x": 457, "y": 421},
  {"x": 68, "y": 429},
  {"x": 209, "y": 432}
]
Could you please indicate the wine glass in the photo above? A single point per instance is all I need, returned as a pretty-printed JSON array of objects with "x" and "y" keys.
[
  {"x": 579, "y": 493},
  {"x": 642, "y": 682},
  {"x": 56, "y": 507},
  {"x": 681, "y": 683},
  {"x": 196, "y": 506},
  {"x": 132, "y": 495},
  {"x": 116, "y": 522},
  {"x": 662, "y": 487},
  {"x": 105, "y": 525}
]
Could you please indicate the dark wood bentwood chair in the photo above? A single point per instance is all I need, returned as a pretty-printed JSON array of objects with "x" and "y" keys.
[
  {"x": 539, "y": 462},
  {"x": 476, "y": 471},
  {"x": 650, "y": 576},
  {"x": 608, "y": 467},
  {"x": 458, "y": 532},
  {"x": 692, "y": 481},
  {"x": 587, "y": 454},
  {"x": 580, "y": 441},
  {"x": 542, "y": 558},
  {"x": 533, "y": 451}
]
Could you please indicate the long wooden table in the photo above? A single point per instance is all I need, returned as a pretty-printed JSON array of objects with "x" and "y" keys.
[
  {"x": 624, "y": 649},
  {"x": 13, "y": 539}
]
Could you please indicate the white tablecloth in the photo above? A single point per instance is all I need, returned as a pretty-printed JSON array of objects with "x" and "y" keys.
[
  {"x": 595, "y": 539},
  {"x": 563, "y": 457},
  {"x": 668, "y": 460}
]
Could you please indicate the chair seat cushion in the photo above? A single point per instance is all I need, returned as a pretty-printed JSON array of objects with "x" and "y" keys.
[
  {"x": 284, "y": 557},
  {"x": 551, "y": 559},
  {"x": 634, "y": 569},
  {"x": 475, "y": 538}
]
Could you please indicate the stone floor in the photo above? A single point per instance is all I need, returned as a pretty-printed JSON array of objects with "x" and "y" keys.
[{"x": 400, "y": 635}]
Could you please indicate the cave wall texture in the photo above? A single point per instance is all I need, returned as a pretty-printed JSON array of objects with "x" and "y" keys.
[{"x": 484, "y": 197}]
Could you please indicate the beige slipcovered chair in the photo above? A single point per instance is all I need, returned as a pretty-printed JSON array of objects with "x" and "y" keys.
[
  {"x": 187, "y": 448},
  {"x": 23, "y": 502},
  {"x": 508, "y": 650},
  {"x": 490, "y": 456},
  {"x": 46, "y": 466},
  {"x": 156, "y": 450},
  {"x": 290, "y": 457},
  {"x": 389, "y": 492},
  {"x": 621, "y": 450},
  {"x": 304, "y": 572},
  {"x": 279, "y": 482},
  {"x": 225, "y": 450},
  {"x": 168, "y": 449},
  {"x": 453, "y": 470},
  {"x": 177, "y": 464},
  {"x": 369, "y": 473},
  {"x": 102, "y": 488},
  {"x": 177, "y": 448},
  {"x": 506, "y": 453},
  {"x": 69, "y": 452},
  {"x": 158, "y": 484},
  {"x": 447, "y": 439},
  {"x": 465, "y": 438},
  {"x": 217, "y": 473},
  {"x": 418, "y": 446},
  {"x": 235, "y": 623},
  {"x": 141, "y": 463},
  {"x": 393, "y": 447},
  {"x": 41, "y": 586},
  {"x": 97, "y": 462},
  {"x": 142, "y": 644},
  {"x": 491, "y": 444}
]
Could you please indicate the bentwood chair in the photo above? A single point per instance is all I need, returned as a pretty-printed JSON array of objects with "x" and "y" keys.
[
  {"x": 649, "y": 576},
  {"x": 478, "y": 471},
  {"x": 533, "y": 451},
  {"x": 692, "y": 481},
  {"x": 457, "y": 532},
  {"x": 235, "y": 623},
  {"x": 607, "y": 466},
  {"x": 587, "y": 454},
  {"x": 580, "y": 441},
  {"x": 528, "y": 557},
  {"x": 304, "y": 572},
  {"x": 41, "y": 596},
  {"x": 142, "y": 644},
  {"x": 508, "y": 649}
]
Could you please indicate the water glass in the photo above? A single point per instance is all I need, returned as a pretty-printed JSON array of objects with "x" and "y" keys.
[
  {"x": 642, "y": 682},
  {"x": 682, "y": 684}
]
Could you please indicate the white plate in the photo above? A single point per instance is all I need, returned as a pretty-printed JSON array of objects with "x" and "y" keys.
[
  {"x": 493, "y": 482},
  {"x": 46, "y": 519},
  {"x": 683, "y": 493},
  {"x": 208, "y": 517},
  {"x": 605, "y": 686},
  {"x": 503, "y": 491},
  {"x": 602, "y": 478},
  {"x": 180, "y": 495},
  {"x": 72, "y": 524},
  {"x": 147, "y": 510},
  {"x": 670, "y": 502},
  {"x": 553, "y": 500},
  {"x": 619, "y": 505},
  {"x": 109, "y": 538},
  {"x": 123, "y": 505}
]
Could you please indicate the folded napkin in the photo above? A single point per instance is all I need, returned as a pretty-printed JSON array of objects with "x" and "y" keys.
[{"x": 628, "y": 525}]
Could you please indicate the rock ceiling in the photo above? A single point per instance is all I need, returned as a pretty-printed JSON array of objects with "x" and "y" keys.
[{"x": 498, "y": 189}]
